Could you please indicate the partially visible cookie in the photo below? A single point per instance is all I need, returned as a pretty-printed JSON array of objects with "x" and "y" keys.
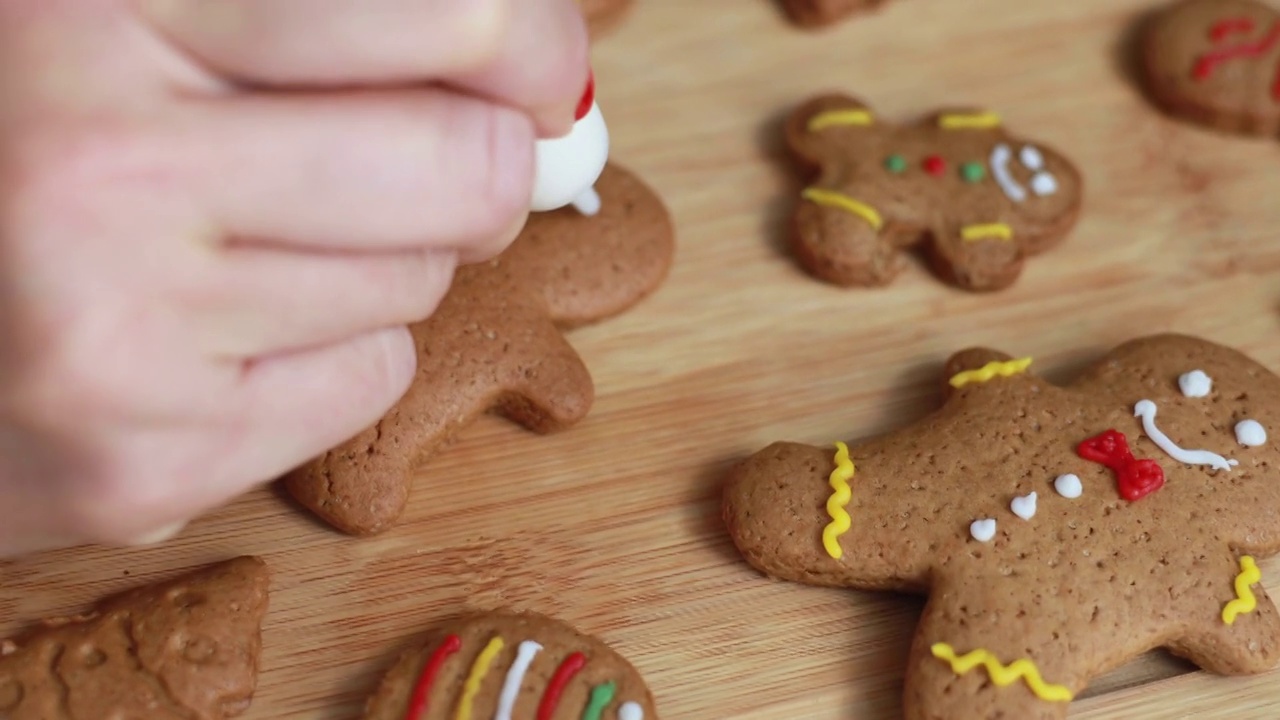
[
  {"x": 496, "y": 343},
  {"x": 509, "y": 665},
  {"x": 1057, "y": 531},
  {"x": 1216, "y": 63},
  {"x": 604, "y": 15},
  {"x": 820, "y": 13},
  {"x": 186, "y": 649},
  {"x": 977, "y": 197}
]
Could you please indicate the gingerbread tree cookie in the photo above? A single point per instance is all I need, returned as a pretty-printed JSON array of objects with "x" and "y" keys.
[
  {"x": 506, "y": 665},
  {"x": 979, "y": 198},
  {"x": 1057, "y": 531},
  {"x": 186, "y": 649},
  {"x": 1217, "y": 63},
  {"x": 496, "y": 343}
]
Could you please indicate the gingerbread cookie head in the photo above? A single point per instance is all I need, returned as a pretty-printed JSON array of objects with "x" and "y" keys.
[
  {"x": 1216, "y": 63},
  {"x": 979, "y": 198},
  {"x": 507, "y": 665},
  {"x": 1058, "y": 531}
]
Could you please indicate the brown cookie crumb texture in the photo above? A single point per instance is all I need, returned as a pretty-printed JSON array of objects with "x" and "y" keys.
[
  {"x": 496, "y": 343},
  {"x": 496, "y": 651},
  {"x": 604, "y": 16},
  {"x": 186, "y": 649},
  {"x": 821, "y": 13},
  {"x": 1079, "y": 578},
  {"x": 977, "y": 198},
  {"x": 1216, "y": 63}
]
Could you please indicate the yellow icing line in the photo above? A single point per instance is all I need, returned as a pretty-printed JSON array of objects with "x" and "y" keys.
[
  {"x": 840, "y": 496},
  {"x": 969, "y": 121},
  {"x": 990, "y": 371},
  {"x": 998, "y": 231},
  {"x": 1021, "y": 669},
  {"x": 1245, "y": 602},
  {"x": 831, "y": 198},
  {"x": 839, "y": 118},
  {"x": 478, "y": 671}
]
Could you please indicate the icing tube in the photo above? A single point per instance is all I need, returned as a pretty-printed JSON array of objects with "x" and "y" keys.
[{"x": 568, "y": 167}]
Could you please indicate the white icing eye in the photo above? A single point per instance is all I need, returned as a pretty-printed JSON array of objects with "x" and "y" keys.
[
  {"x": 1250, "y": 433},
  {"x": 1031, "y": 157},
  {"x": 1195, "y": 384},
  {"x": 1044, "y": 184},
  {"x": 1068, "y": 486}
]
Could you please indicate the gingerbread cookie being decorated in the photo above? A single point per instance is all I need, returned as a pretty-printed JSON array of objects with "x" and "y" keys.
[
  {"x": 1058, "y": 532},
  {"x": 511, "y": 665},
  {"x": 1216, "y": 63},
  {"x": 977, "y": 198}
]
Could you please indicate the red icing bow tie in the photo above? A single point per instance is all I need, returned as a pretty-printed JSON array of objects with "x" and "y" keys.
[
  {"x": 588, "y": 98},
  {"x": 1135, "y": 478}
]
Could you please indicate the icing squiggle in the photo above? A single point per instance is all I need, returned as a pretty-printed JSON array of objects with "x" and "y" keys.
[
  {"x": 515, "y": 676},
  {"x": 1245, "y": 602},
  {"x": 478, "y": 670},
  {"x": 990, "y": 371},
  {"x": 832, "y": 198},
  {"x": 555, "y": 687},
  {"x": 1146, "y": 410},
  {"x": 840, "y": 496},
  {"x": 601, "y": 696},
  {"x": 996, "y": 231},
  {"x": 840, "y": 118},
  {"x": 422, "y": 692},
  {"x": 1002, "y": 675},
  {"x": 969, "y": 121}
]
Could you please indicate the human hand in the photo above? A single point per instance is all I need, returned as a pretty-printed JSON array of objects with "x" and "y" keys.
[{"x": 216, "y": 219}]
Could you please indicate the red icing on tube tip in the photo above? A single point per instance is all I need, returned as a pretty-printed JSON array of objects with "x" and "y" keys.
[{"x": 588, "y": 98}]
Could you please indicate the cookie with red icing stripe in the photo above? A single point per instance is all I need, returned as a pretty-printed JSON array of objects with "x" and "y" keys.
[
  {"x": 511, "y": 665},
  {"x": 978, "y": 198},
  {"x": 1216, "y": 63},
  {"x": 1058, "y": 531}
]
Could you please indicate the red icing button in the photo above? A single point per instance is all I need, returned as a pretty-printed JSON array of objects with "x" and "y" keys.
[
  {"x": 935, "y": 165},
  {"x": 1135, "y": 478},
  {"x": 588, "y": 98}
]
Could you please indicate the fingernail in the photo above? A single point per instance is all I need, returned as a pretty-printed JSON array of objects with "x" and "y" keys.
[{"x": 155, "y": 537}]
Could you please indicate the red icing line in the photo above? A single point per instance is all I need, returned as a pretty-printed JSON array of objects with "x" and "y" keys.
[
  {"x": 935, "y": 165},
  {"x": 1226, "y": 28},
  {"x": 1136, "y": 478},
  {"x": 1209, "y": 62},
  {"x": 564, "y": 673},
  {"x": 588, "y": 97},
  {"x": 418, "y": 703}
]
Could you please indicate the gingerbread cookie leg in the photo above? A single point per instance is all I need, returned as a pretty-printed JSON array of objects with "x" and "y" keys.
[
  {"x": 979, "y": 256},
  {"x": 843, "y": 240},
  {"x": 1246, "y": 639}
]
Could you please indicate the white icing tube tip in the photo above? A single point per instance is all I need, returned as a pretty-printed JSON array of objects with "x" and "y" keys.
[{"x": 588, "y": 203}]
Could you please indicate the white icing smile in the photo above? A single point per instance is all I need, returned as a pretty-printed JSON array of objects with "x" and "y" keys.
[
  {"x": 1042, "y": 181},
  {"x": 1146, "y": 410}
]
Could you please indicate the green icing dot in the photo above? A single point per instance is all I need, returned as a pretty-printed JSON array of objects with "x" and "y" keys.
[
  {"x": 601, "y": 696},
  {"x": 895, "y": 163},
  {"x": 973, "y": 172}
]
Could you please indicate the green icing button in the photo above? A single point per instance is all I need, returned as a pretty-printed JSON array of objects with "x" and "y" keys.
[
  {"x": 973, "y": 172},
  {"x": 895, "y": 164}
]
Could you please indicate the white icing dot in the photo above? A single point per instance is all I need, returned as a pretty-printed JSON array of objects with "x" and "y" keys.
[
  {"x": 1044, "y": 184},
  {"x": 983, "y": 530},
  {"x": 1251, "y": 433},
  {"x": 1068, "y": 486},
  {"x": 630, "y": 711},
  {"x": 1031, "y": 157},
  {"x": 1024, "y": 507},
  {"x": 1195, "y": 384}
]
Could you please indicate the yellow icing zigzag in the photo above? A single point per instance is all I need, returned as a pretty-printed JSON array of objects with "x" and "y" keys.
[
  {"x": 840, "y": 496},
  {"x": 832, "y": 198},
  {"x": 478, "y": 670},
  {"x": 1245, "y": 602},
  {"x": 969, "y": 121},
  {"x": 990, "y": 371},
  {"x": 998, "y": 231},
  {"x": 838, "y": 118},
  {"x": 1002, "y": 675}
]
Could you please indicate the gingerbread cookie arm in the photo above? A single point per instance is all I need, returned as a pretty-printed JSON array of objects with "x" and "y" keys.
[
  {"x": 831, "y": 125},
  {"x": 978, "y": 256},
  {"x": 845, "y": 240}
]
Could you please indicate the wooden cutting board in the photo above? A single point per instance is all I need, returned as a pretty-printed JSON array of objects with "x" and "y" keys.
[{"x": 614, "y": 525}]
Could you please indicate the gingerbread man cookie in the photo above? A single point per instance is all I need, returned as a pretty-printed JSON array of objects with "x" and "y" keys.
[
  {"x": 820, "y": 13},
  {"x": 1217, "y": 63},
  {"x": 981, "y": 199},
  {"x": 1057, "y": 531},
  {"x": 186, "y": 649},
  {"x": 496, "y": 343},
  {"x": 511, "y": 665}
]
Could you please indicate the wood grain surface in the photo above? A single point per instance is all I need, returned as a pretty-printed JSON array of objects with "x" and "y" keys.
[{"x": 613, "y": 525}]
